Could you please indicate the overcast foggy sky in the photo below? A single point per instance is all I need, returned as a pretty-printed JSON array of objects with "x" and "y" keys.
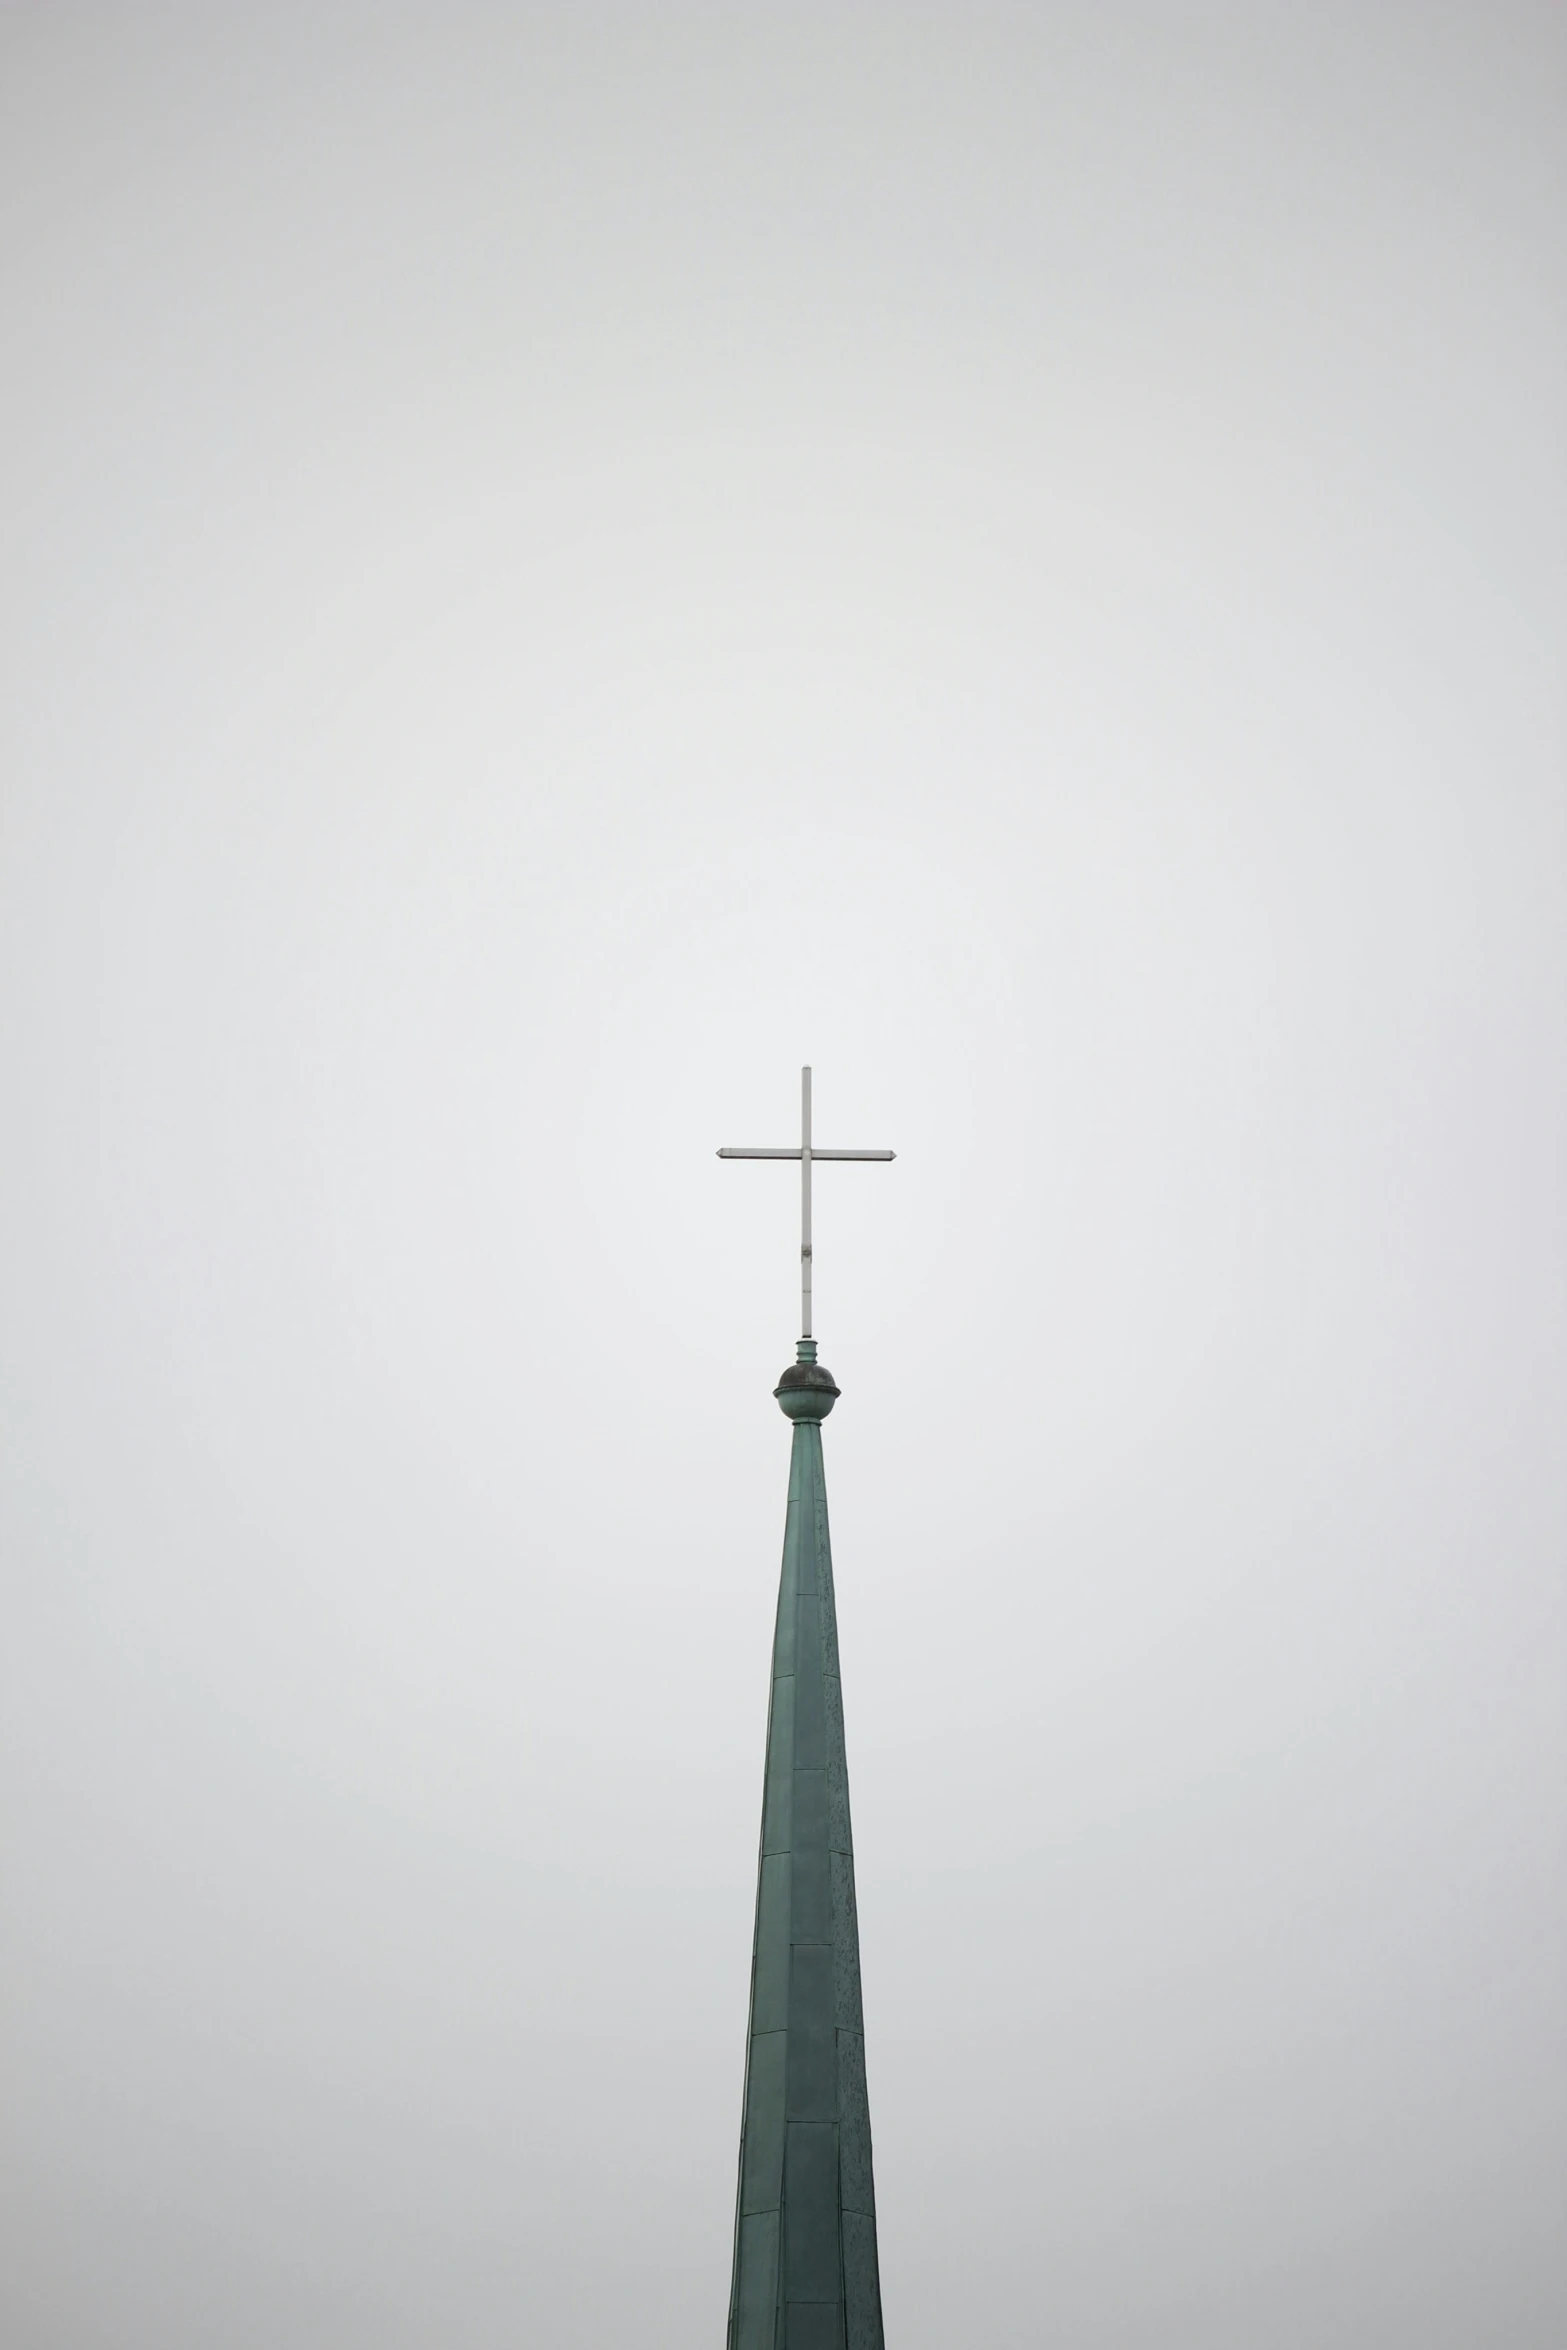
[{"x": 559, "y": 563}]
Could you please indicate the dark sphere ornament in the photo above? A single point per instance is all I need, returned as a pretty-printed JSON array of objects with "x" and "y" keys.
[{"x": 807, "y": 1390}]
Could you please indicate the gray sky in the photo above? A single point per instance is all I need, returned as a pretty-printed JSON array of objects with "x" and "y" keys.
[{"x": 557, "y": 564}]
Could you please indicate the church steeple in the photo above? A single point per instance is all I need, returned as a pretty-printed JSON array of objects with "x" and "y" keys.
[{"x": 805, "y": 2267}]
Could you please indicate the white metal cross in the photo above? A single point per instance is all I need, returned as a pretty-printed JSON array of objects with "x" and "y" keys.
[{"x": 807, "y": 1154}]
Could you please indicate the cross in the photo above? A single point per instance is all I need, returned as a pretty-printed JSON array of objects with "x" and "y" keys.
[{"x": 807, "y": 1154}]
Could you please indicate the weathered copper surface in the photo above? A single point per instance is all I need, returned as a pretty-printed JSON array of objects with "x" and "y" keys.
[{"x": 805, "y": 2273}]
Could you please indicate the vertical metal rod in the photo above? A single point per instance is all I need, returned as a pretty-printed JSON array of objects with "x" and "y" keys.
[{"x": 805, "y": 1203}]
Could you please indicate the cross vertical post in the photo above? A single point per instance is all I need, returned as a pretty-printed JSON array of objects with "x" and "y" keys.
[
  {"x": 805, "y": 1203},
  {"x": 807, "y": 1154}
]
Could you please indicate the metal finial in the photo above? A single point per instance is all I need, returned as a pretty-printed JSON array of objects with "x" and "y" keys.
[{"x": 807, "y": 1154}]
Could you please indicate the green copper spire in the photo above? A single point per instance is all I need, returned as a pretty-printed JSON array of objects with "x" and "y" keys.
[{"x": 805, "y": 2271}]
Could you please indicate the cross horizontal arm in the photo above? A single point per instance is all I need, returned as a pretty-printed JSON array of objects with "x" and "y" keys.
[{"x": 815, "y": 1153}]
